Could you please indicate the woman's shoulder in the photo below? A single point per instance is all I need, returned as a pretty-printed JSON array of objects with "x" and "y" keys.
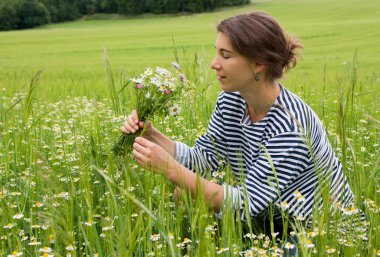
[
  {"x": 231, "y": 103},
  {"x": 230, "y": 97},
  {"x": 295, "y": 110}
]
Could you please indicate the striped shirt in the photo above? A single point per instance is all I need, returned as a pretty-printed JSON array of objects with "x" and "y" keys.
[{"x": 279, "y": 159}]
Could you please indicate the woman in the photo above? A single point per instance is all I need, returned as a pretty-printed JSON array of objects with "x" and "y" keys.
[{"x": 265, "y": 132}]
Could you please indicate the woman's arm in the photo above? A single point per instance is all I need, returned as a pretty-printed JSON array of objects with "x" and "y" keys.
[{"x": 152, "y": 156}]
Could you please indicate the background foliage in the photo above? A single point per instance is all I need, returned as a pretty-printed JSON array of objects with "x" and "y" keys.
[{"x": 21, "y": 14}]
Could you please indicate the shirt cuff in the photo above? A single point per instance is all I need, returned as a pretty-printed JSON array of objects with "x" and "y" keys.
[
  {"x": 232, "y": 195},
  {"x": 181, "y": 153}
]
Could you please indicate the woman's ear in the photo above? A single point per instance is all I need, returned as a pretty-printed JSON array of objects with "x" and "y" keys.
[{"x": 258, "y": 68}]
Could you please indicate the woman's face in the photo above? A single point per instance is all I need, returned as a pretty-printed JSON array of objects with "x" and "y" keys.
[{"x": 234, "y": 71}]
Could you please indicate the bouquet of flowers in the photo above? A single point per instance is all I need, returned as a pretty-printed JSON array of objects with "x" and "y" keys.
[{"x": 157, "y": 93}]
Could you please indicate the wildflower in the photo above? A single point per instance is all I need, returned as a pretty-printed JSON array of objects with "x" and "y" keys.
[
  {"x": 14, "y": 253},
  {"x": 107, "y": 228},
  {"x": 38, "y": 204},
  {"x": 167, "y": 91},
  {"x": 309, "y": 244},
  {"x": 331, "y": 250},
  {"x": 155, "y": 237},
  {"x": 248, "y": 253},
  {"x": 182, "y": 77},
  {"x": 139, "y": 85},
  {"x": 362, "y": 149},
  {"x": 250, "y": 236},
  {"x": 18, "y": 216},
  {"x": 45, "y": 249},
  {"x": 186, "y": 241},
  {"x": 70, "y": 248},
  {"x": 378, "y": 253},
  {"x": 284, "y": 205},
  {"x": 350, "y": 210},
  {"x": 147, "y": 95},
  {"x": 222, "y": 250},
  {"x": 51, "y": 238},
  {"x": 175, "y": 110},
  {"x": 171, "y": 236},
  {"x": 176, "y": 65},
  {"x": 299, "y": 196},
  {"x": 64, "y": 195},
  {"x": 34, "y": 242},
  {"x": 289, "y": 245},
  {"x": 89, "y": 223},
  {"x": 47, "y": 255},
  {"x": 261, "y": 236},
  {"x": 9, "y": 225},
  {"x": 261, "y": 251}
]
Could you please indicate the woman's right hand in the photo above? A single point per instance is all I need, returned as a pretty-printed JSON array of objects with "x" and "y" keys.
[{"x": 132, "y": 124}]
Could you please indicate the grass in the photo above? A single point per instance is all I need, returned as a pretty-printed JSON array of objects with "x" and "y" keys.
[
  {"x": 71, "y": 53},
  {"x": 61, "y": 188}
]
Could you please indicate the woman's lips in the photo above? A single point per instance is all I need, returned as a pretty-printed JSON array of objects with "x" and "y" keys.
[{"x": 221, "y": 77}]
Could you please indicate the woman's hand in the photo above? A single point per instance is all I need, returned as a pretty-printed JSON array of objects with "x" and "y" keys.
[
  {"x": 133, "y": 124},
  {"x": 152, "y": 156}
]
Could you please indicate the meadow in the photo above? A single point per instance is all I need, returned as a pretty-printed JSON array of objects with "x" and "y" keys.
[{"x": 63, "y": 192}]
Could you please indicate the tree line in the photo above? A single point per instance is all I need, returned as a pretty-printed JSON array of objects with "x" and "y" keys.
[{"x": 21, "y": 14}]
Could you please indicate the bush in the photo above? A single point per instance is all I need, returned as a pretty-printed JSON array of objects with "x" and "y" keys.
[
  {"x": 9, "y": 18},
  {"x": 32, "y": 13}
]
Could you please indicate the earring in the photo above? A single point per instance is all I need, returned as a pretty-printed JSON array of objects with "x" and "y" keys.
[{"x": 257, "y": 76}]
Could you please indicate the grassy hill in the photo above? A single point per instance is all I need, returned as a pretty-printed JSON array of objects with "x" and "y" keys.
[{"x": 71, "y": 53}]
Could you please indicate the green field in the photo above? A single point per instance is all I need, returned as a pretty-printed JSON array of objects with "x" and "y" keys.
[
  {"x": 71, "y": 53},
  {"x": 63, "y": 192}
]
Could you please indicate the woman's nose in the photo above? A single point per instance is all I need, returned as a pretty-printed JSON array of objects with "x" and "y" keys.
[{"x": 214, "y": 64}]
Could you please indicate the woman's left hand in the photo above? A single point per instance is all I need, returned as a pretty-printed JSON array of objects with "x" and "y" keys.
[{"x": 152, "y": 156}]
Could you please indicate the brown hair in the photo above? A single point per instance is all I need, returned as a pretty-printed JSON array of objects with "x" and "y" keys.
[{"x": 260, "y": 38}]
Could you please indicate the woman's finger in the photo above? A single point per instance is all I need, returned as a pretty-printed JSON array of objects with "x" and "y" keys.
[
  {"x": 135, "y": 117},
  {"x": 127, "y": 128},
  {"x": 138, "y": 156},
  {"x": 133, "y": 122}
]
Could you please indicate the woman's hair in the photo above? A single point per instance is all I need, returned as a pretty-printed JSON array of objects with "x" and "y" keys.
[{"x": 260, "y": 38}]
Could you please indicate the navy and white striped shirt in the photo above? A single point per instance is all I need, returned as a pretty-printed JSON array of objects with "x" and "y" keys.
[{"x": 278, "y": 160}]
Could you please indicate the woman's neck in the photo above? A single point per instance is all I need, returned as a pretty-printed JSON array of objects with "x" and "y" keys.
[{"x": 260, "y": 99}]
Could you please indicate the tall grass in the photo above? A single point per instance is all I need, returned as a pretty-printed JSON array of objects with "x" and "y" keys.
[{"x": 61, "y": 188}]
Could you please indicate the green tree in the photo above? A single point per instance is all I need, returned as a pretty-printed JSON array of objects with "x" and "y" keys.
[
  {"x": 131, "y": 7},
  {"x": 9, "y": 18},
  {"x": 62, "y": 10},
  {"x": 31, "y": 14},
  {"x": 107, "y": 6},
  {"x": 193, "y": 6},
  {"x": 162, "y": 6},
  {"x": 86, "y": 6}
]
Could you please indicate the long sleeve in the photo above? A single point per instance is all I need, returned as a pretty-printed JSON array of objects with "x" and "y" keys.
[
  {"x": 210, "y": 150},
  {"x": 280, "y": 162}
]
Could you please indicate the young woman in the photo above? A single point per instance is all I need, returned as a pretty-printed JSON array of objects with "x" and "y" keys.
[{"x": 274, "y": 142}]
